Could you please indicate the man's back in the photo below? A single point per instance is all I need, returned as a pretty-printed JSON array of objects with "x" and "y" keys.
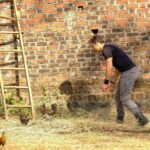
[{"x": 120, "y": 59}]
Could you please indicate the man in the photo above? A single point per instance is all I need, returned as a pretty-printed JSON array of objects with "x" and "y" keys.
[{"x": 115, "y": 57}]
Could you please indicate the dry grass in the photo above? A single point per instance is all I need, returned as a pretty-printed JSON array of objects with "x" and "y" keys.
[{"x": 90, "y": 132}]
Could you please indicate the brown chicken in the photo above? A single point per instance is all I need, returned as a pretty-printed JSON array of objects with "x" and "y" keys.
[
  {"x": 44, "y": 110},
  {"x": 53, "y": 109},
  {"x": 49, "y": 113},
  {"x": 24, "y": 118},
  {"x": 3, "y": 139}
]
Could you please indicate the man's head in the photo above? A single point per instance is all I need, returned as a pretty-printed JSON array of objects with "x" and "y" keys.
[{"x": 96, "y": 42}]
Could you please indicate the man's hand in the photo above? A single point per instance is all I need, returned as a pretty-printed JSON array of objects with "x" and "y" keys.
[
  {"x": 105, "y": 87},
  {"x": 108, "y": 87},
  {"x": 111, "y": 87}
]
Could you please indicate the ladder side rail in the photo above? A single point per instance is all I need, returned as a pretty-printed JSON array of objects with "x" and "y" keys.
[
  {"x": 24, "y": 59},
  {"x": 3, "y": 96}
]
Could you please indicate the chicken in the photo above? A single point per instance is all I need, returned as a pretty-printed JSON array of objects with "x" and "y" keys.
[
  {"x": 47, "y": 112},
  {"x": 53, "y": 109},
  {"x": 3, "y": 139},
  {"x": 44, "y": 110},
  {"x": 24, "y": 118}
]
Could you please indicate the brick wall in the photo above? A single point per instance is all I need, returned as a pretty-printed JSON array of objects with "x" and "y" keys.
[{"x": 56, "y": 35}]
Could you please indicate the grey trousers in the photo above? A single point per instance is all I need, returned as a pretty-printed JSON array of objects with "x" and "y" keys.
[{"x": 124, "y": 90}]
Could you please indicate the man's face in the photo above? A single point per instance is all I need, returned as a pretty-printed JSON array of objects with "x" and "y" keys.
[{"x": 97, "y": 47}]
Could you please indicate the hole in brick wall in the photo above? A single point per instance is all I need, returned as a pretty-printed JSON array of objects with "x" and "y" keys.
[
  {"x": 94, "y": 31},
  {"x": 80, "y": 7}
]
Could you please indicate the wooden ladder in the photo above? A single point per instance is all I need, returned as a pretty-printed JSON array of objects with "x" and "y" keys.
[{"x": 20, "y": 51}]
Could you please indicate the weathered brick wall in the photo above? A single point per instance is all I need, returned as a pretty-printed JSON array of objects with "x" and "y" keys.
[{"x": 56, "y": 35}]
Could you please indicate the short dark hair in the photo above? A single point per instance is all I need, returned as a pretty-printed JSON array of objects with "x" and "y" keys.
[{"x": 96, "y": 39}]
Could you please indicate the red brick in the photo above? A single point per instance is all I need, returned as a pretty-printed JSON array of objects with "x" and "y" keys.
[
  {"x": 52, "y": 47},
  {"x": 146, "y": 76},
  {"x": 32, "y": 11},
  {"x": 59, "y": 5},
  {"x": 39, "y": 16},
  {"x": 52, "y": 56},
  {"x": 50, "y": 6},
  {"x": 48, "y": 10},
  {"x": 82, "y": 14},
  {"x": 80, "y": 4},
  {"x": 111, "y": 7},
  {"x": 60, "y": 15},
  {"x": 121, "y": 11},
  {"x": 131, "y": 15},
  {"x": 22, "y": 6},
  {"x": 101, "y": 3},
  {"x": 132, "y": 1},
  {"x": 63, "y": 76},
  {"x": 132, "y": 6},
  {"x": 142, "y": 1},
  {"x": 142, "y": 5},
  {"x": 31, "y": 2},
  {"x": 31, "y": 21},
  {"x": 111, "y": 16},
  {"x": 50, "y": 1},
  {"x": 94, "y": 26},
  {"x": 142, "y": 24},
  {"x": 141, "y": 20},
  {"x": 122, "y": 1},
  {"x": 41, "y": 6},
  {"x": 22, "y": 2},
  {"x": 121, "y": 20},
  {"x": 142, "y": 10}
]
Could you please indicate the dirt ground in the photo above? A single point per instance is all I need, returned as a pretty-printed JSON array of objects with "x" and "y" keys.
[{"x": 89, "y": 132}]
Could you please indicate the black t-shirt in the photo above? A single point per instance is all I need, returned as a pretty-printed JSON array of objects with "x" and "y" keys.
[{"x": 120, "y": 59}]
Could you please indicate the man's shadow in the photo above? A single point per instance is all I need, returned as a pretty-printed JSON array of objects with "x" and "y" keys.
[{"x": 80, "y": 96}]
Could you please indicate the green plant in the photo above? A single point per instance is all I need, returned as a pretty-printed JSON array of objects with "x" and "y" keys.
[
  {"x": 50, "y": 96},
  {"x": 46, "y": 95},
  {"x": 12, "y": 99},
  {"x": 25, "y": 111}
]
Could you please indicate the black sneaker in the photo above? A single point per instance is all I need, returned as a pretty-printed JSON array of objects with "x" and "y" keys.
[
  {"x": 120, "y": 119},
  {"x": 142, "y": 120}
]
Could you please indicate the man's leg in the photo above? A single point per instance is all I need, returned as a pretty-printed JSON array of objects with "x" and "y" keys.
[
  {"x": 127, "y": 81},
  {"x": 119, "y": 106}
]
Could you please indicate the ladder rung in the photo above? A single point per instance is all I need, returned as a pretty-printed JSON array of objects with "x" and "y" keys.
[
  {"x": 9, "y": 32},
  {"x": 19, "y": 106},
  {"x": 8, "y": 18},
  {"x": 12, "y": 68},
  {"x": 15, "y": 87},
  {"x": 10, "y": 50}
]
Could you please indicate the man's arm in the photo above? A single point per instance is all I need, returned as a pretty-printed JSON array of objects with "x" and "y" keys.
[
  {"x": 108, "y": 74},
  {"x": 109, "y": 67},
  {"x": 115, "y": 76},
  {"x": 109, "y": 79}
]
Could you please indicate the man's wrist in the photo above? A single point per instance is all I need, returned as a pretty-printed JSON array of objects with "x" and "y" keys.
[{"x": 106, "y": 81}]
